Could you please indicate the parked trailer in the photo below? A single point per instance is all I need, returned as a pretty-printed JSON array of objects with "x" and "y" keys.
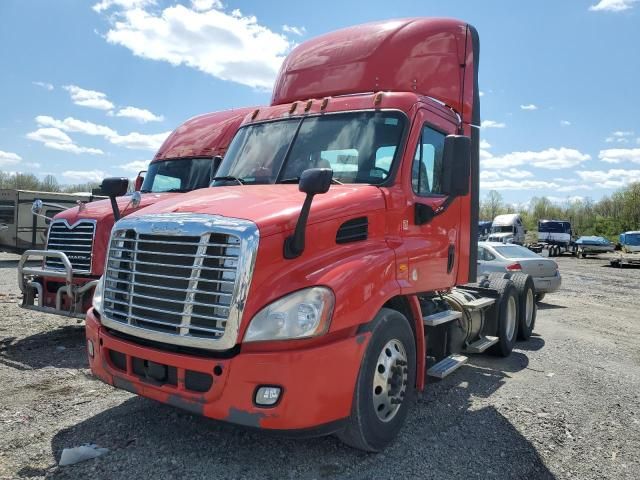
[
  {"x": 555, "y": 236},
  {"x": 294, "y": 296},
  {"x": 593, "y": 245},
  {"x": 78, "y": 237},
  {"x": 19, "y": 228}
]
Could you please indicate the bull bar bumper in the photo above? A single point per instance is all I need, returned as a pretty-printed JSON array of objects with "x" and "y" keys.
[{"x": 32, "y": 286}]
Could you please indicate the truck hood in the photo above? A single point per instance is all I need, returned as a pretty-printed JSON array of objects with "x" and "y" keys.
[
  {"x": 274, "y": 208},
  {"x": 101, "y": 210}
]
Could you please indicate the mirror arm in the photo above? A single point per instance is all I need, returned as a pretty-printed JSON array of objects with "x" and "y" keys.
[{"x": 294, "y": 244}]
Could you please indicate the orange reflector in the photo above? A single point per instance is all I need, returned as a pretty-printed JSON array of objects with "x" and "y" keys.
[
  {"x": 377, "y": 100},
  {"x": 255, "y": 114},
  {"x": 307, "y": 107},
  {"x": 293, "y": 107},
  {"x": 325, "y": 102}
]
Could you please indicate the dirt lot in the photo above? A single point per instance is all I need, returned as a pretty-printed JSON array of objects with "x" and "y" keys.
[{"x": 566, "y": 404}]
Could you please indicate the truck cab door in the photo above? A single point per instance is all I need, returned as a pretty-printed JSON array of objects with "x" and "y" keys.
[{"x": 431, "y": 246}]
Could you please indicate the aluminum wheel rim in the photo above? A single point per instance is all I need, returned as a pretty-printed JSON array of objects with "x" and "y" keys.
[
  {"x": 511, "y": 318},
  {"x": 529, "y": 308},
  {"x": 390, "y": 380}
]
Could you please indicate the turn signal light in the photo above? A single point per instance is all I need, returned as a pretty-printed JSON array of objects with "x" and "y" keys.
[{"x": 514, "y": 267}]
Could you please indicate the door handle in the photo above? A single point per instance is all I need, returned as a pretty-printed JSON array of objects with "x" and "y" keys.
[{"x": 451, "y": 257}]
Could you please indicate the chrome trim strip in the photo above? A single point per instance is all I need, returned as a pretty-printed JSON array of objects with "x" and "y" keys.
[{"x": 183, "y": 225}]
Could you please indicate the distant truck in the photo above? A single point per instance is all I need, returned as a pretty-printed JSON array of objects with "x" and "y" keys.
[
  {"x": 78, "y": 238},
  {"x": 555, "y": 236},
  {"x": 484, "y": 229},
  {"x": 507, "y": 228},
  {"x": 19, "y": 228},
  {"x": 630, "y": 250}
]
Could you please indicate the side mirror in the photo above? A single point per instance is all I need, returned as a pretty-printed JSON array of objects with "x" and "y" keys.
[
  {"x": 37, "y": 206},
  {"x": 315, "y": 180},
  {"x": 139, "y": 181},
  {"x": 456, "y": 161},
  {"x": 312, "y": 182},
  {"x": 115, "y": 186}
]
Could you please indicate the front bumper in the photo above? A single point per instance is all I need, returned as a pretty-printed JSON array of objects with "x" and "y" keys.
[
  {"x": 317, "y": 382},
  {"x": 547, "y": 284},
  {"x": 72, "y": 296}
]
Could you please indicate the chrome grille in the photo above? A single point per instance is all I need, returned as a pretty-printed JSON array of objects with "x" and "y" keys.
[
  {"x": 186, "y": 287},
  {"x": 76, "y": 241}
]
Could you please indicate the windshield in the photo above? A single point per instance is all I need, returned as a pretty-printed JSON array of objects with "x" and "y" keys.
[
  {"x": 516, "y": 251},
  {"x": 181, "y": 175},
  {"x": 554, "y": 227},
  {"x": 502, "y": 229},
  {"x": 632, "y": 239},
  {"x": 358, "y": 146}
]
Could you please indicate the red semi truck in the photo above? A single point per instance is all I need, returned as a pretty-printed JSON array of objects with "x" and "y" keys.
[
  {"x": 77, "y": 238},
  {"x": 328, "y": 269}
]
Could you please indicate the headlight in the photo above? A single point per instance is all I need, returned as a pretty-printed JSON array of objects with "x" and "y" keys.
[
  {"x": 302, "y": 314},
  {"x": 97, "y": 295}
]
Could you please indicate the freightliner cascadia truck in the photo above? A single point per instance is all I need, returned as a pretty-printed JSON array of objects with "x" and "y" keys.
[
  {"x": 77, "y": 238},
  {"x": 332, "y": 264}
]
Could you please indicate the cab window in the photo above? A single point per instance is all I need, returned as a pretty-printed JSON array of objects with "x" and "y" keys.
[{"x": 426, "y": 176}]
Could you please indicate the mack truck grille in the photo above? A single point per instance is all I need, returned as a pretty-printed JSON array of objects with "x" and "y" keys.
[
  {"x": 182, "y": 283},
  {"x": 76, "y": 241}
]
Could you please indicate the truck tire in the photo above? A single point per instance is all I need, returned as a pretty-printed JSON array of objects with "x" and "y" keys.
[
  {"x": 539, "y": 296},
  {"x": 527, "y": 309},
  {"x": 507, "y": 311},
  {"x": 552, "y": 251},
  {"x": 385, "y": 386}
]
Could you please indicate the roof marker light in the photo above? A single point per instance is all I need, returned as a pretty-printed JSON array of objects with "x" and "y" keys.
[
  {"x": 377, "y": 100},
  {"x": 255, "y": 113},
  {"x": 293, "y": 107},
  {"x": 325, "y": 102},
  {"x": 307, "y": 107}
]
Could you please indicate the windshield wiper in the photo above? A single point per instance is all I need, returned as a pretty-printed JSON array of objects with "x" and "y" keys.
[
  {"x": 229, "y": 178},
  {"x": 297, "y": 180}
]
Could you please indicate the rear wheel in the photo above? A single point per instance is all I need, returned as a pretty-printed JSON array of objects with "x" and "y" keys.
[
  {"x": 527, "y": 310},
  {"x": 507, "y": 311},
  {"x": 385, "y": 385}
]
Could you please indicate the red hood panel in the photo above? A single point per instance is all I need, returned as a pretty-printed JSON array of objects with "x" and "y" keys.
[
  {"x": 101, "y": 209},
  {"x": 273, "y": 208}
]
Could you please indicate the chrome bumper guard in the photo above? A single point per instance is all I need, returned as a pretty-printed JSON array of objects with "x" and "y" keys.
[{"x": 33, "y": 290}]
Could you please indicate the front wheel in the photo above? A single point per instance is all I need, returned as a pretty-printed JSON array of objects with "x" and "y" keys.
[{"x": 385, "y": 385}]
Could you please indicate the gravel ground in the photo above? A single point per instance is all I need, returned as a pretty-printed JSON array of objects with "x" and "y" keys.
[{"x": 566, "y": 404}]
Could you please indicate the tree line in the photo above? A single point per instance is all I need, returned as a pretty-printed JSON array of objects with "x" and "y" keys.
[
  {"x": 608, "y": 217},
  {"x": 49, "y": 183}
]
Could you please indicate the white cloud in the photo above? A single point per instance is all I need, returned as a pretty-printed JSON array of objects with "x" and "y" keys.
[
  {"x": 141, "y": 114},
  {"x": 571, "y": 199},
  {"x": 9, "y": 158},
  {"x": 489, "y": 175},
  {"x": 71, "y": 124},
  {"x": 565, "y": 123},
  {"x": 551, "y": 158},
  {"x": 300, "y": 31},
  {"x": 58, "y": 140},
  {"x": 506, "y": 184},
  {"x": 571, "y": 188},
  {"x": 484, "y": 145},
  {"x": 612, "y": 5},
  {"x": 80, "y": 176},
  {"x": 481, "y": 93},
  {"x": 135, "y": 166},
  {"x": 140, "y": 141},
  {"x": 619, "y": 137},
  {"x": 107, "y": 4},
  {"x": 515, "y": 173},
  {"x": 614, "y": 178},
  {"x": 492, "y": 124},
  {"x": 618, "y": 155},
  {"x": 530, "y": 106},
  {"x": 88, "y": 98},
  {"x": 228, "y": 46},
  {"x": 45, "y": 85},
  {"x": 204, "y": 5}
]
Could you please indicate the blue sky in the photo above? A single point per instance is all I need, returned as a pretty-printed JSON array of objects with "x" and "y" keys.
[{"x": 92, "y": 88}]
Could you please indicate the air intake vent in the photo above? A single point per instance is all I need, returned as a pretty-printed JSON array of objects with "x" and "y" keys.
[{"x": 353, "y": 230}]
